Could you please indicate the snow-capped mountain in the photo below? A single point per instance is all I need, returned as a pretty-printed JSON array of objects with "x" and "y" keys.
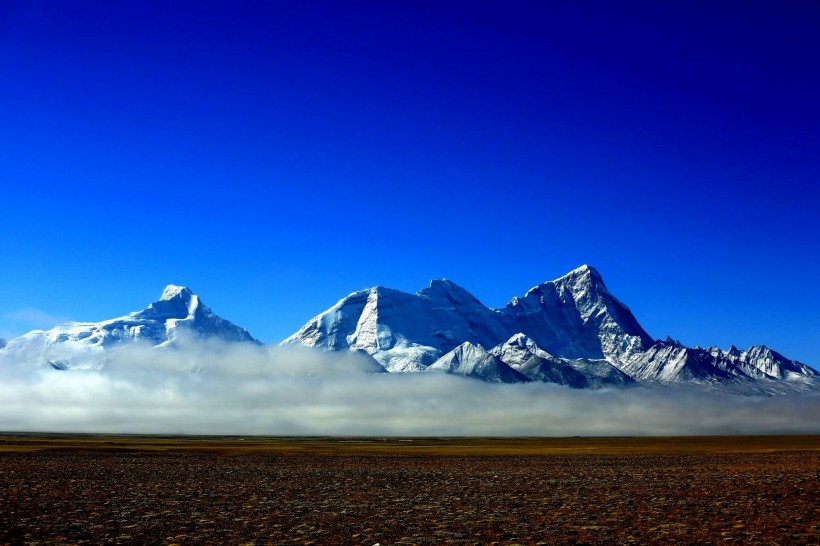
[
  {"x": 83, "y": 345},
  {"x": 570, "y": 331},
  {"x": 574, "y": 316},
  {"x": 404, "y": 332}
]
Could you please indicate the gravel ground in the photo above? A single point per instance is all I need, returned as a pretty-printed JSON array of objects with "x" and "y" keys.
[{"x": 99, "y": 497}]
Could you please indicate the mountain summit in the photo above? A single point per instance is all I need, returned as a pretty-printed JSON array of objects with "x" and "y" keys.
[
  {"x": 575, "y": 316},
  {"x": 83, "y": 344}
]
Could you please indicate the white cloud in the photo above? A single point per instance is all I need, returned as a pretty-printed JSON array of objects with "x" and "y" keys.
[
  {"x": 263, "y": 390},
  {"x": 24, "y": 320}
]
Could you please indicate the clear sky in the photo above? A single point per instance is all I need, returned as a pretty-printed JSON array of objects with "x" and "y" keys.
[{"x": 275, "y": 156}]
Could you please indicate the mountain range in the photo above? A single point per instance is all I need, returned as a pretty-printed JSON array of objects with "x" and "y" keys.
[{"x": 570, "y": 331}]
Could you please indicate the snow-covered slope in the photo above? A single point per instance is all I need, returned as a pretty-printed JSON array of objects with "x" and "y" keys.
[{"x": 83, "y": 344}]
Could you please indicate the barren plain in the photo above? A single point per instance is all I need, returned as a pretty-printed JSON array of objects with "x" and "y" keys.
[{"x": 86, "y": 489}]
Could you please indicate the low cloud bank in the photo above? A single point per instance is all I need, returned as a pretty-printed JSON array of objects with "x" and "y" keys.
[{"x": 207, "y": 388}]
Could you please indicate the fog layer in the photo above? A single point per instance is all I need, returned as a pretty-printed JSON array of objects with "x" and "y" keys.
[{"x": 207, "y": 388}]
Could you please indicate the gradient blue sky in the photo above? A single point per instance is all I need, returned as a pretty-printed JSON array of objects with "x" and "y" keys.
[{"x": 275, "y": 156}]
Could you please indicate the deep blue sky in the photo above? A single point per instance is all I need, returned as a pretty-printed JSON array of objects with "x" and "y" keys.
[{"x": 275, "y": 156}]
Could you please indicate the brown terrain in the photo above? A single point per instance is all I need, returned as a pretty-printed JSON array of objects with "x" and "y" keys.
[{"x": 139, "y": 490}]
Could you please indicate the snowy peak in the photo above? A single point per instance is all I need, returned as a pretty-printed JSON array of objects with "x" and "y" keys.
[
  {"x": 460, "y": 356},
  {"x": 584, "y": 287},
  {"x": 176, "y": 302},
  {"x": 575, "y": 316},
  {"x": 758, "y": 367},
  {"x": 733, "y": 351},
  {"x": 474, "y": 361},
  {"x": 520, "y": 340},
  {"x": 177, "y": 313},
  {"x": 173, "y": 291},
  {"x": 519, "y": 348},
  {"x": 775, "y": 364},
  {"x": 761, "y": 362},
  {"x": 667, "y": 362},
  {"x": 402, "y": 331},
  {"x": 447, "y": 290},
  {"x": 582, "y": 280},
  {"x": 580, "y": 283},
  {"x": 525, "y": 357}
]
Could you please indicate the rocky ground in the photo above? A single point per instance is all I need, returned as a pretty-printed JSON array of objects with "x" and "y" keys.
[{"x": 474, "y": 496}]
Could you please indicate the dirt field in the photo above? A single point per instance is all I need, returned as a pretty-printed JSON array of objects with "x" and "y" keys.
[{"x": 136, "y": 490}]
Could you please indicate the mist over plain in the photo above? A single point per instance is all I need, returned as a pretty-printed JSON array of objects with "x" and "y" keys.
[{"x": 206, "y": 387}]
